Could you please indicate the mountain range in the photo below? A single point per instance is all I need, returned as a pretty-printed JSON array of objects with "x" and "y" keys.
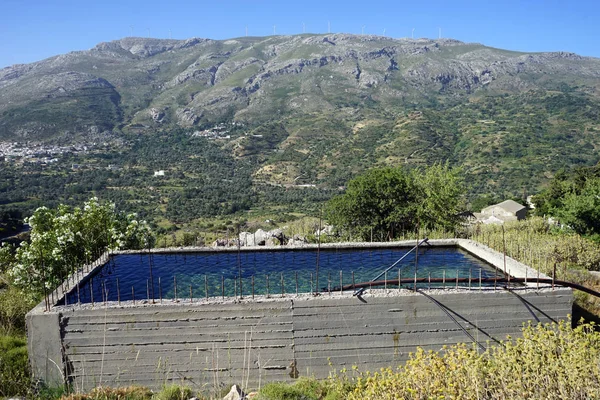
[{"x": 318, "y": 109}]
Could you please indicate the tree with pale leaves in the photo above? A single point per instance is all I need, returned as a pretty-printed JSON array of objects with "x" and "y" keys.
[{"x": 64, "y": 239}]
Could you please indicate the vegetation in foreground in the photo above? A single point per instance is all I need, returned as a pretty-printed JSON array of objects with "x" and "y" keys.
[
  {"x": 73, "y": 236},
  {"x": 548, "y": 362},
  {"x": 552, "y": 361},
  {"x": 384, "y": 203}
]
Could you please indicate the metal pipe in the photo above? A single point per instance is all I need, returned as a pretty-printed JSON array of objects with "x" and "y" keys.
[
  {"x": 361, "y": 290},
  {"x": 548, "y": 281}
]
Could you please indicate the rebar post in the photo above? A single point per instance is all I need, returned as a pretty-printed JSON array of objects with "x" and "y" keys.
[
  {"x": 160, "y": 290},
  {"x": 385, "y": 281},
  {"x": 480, "y": 279},
  {"x": 267, "y": 286},
  {"x": 415, "y": 282},
  {"x": 252, "y": 287},
  {"x": 399, "y": 278},
  {"x": 282, "y": 286},
  {"x": 495, "y": 278},
  {"x": 175, "y": 288},
  {"x": 456, "y": 278},
  {"x": 341, "y": 282},
  {"x": 296, "y": 277},
  {"x": 191, "y": 296},
  {"x": 470, "y": 275},
  {"x": 429, "y": 281},
  {"x": 206, "y": 287},
  {"x": 91, "y": 292},
  {"x": 444, "y": 278},
  {"x": 133, "y": 295}
]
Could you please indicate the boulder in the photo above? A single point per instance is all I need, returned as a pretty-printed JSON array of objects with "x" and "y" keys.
[
  {"x": 220, "y": 243},
  {"x": 235, "y": 393},
  {"x": 279, "y": 235},
  {"x": 326, "y": 230}
]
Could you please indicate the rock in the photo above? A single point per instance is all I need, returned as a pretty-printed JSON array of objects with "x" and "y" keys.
[
  {"x": 187, "y": 117},
  {"x": 325, "y": 230},
  {"x": 220, "y": 243},
  {"x": 235, "y": 394},
  {"x": 279, "y": 235},
  {"x": 253, "y": 239},
  {"x": 157, "y": 115},
  {"x": 243, "y": 238},
  {"x": 262, "y": 238},
  {"x": 297, "y": 240}
]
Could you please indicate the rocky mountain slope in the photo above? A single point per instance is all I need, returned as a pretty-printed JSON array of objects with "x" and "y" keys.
[{"x": 323, "y": 107}]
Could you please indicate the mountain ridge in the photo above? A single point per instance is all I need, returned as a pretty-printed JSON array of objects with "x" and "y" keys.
[
  {"x": 206, "y": 76},
  {"x": 320, "y": 108}
]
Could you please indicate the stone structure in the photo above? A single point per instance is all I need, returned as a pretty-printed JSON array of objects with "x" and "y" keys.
[
  {"x": 209, "y": 343},
  {"x": 508, "y": 210}
]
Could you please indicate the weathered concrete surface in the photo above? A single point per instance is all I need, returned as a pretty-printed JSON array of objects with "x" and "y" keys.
[
  {"x": 44, "y": 346},
  {"x": 212, "y": 343}
]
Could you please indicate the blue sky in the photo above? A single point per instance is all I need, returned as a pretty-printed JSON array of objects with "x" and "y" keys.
[{"x": 37, "y": 29}]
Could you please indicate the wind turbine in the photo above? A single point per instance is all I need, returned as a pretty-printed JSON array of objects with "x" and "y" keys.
[
  {"x": 148, "y": 29},
  {"x": 440, "y": 33},
  {"x": 413, "y": 33},
  {"x": 246, "y": 30},
  {"x": 131, "y": 30},
  {"x": 169, "y": 34},
  {"x": 274, "y": 29},
  {"x": 383, "y": 31},
  {"x": 328, "y": 27}
]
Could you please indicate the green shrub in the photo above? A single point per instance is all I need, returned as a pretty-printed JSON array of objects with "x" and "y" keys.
[
  {"x": 107, "y": 393},
  {"x": 174, "y": 392},
  {"x": 13, "y": 307},
  {"x": 302, "y": 389},
  {"x": 548, "y": 362},
  {"x": 15, "y": 379}
]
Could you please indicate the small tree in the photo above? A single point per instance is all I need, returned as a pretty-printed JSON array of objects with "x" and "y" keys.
[
  {"x": 441, "y": 197},
  {"x": 387, "y": 201},
  {"x": 63, "y": 239},
  {"x": 581, "y": 211},
  {"x": 379, "y": 201}
]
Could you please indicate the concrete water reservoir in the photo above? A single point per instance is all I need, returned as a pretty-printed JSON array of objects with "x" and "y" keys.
[{"x": 207, "y": 341}]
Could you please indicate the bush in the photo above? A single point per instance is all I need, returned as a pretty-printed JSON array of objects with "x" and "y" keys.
[
  {"x": 174, "y": 392},
  {"x": 303, "y": 389},
  {"x": 15, "y": 379},
  {"x": 13, "y": 307},
  {"x": 548, "y": 362},
  {"x": 107, "y": 393},
  {"x": 553, "y": 361}
]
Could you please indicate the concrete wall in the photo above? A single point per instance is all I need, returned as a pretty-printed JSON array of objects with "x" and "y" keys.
[{"x": 211, "y": 343}]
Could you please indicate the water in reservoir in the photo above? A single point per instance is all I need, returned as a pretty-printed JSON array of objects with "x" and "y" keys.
[{"x": 145, "y": 276}]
